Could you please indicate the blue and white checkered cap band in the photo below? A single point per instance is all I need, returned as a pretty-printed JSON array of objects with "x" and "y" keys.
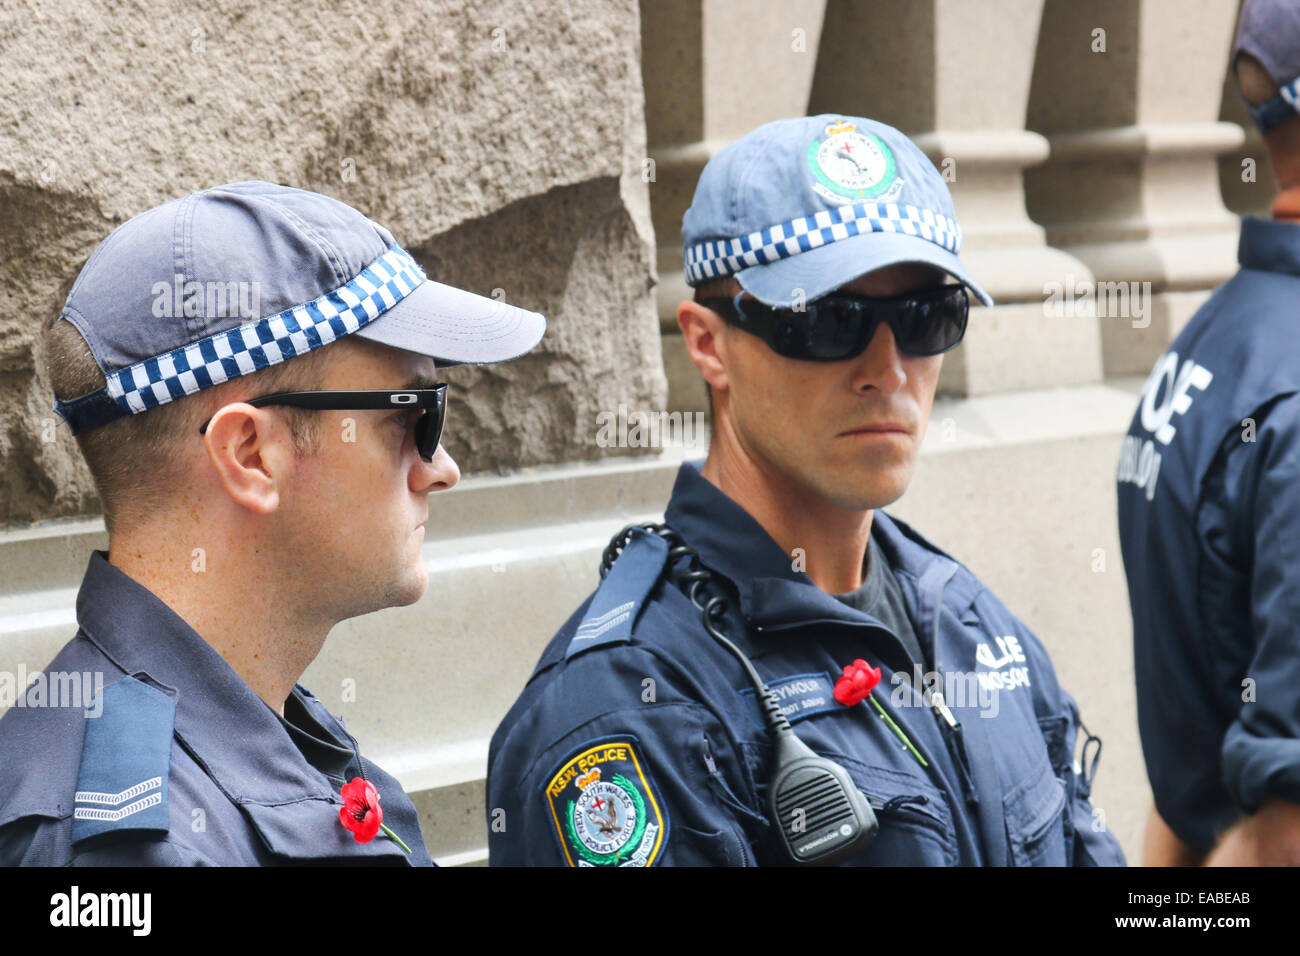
[
  {"x": 268, "y": 341},
  {"x": 1291, "y": 93},
  {"x": 724, "y": 257}
]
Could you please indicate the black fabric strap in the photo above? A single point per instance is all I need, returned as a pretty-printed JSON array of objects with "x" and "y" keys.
[{"x": 89, "y": 411}]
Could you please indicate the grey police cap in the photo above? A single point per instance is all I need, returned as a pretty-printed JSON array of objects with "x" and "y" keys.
[
  {"x": 220, "y": 283},
  {"x": 1269, "y": 30},
  {"x": 800, "y": 207}
]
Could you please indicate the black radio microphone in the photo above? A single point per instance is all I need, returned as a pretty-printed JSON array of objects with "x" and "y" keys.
[{"x": 821, "y": 815}]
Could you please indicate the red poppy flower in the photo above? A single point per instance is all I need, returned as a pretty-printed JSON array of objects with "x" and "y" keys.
[
  {"x": 857, "y": 682},
  {"x": 361, "y": 812}
]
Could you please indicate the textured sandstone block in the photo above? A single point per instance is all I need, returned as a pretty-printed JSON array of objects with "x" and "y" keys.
[{"x": 500, "y": 142}]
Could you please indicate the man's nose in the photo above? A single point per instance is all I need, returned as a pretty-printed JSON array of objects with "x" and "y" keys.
[
  {"x": 437, "y": 475},
  {"x": 881, "y": 365}
]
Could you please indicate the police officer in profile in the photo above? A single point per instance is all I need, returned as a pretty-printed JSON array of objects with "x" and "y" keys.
[
  {"x": 250, "y": 374},
  {"x": 1209, "y": 519},
  {"x": 781, "y": 654}
]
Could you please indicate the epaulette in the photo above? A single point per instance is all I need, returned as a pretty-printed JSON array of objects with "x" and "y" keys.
[
  {"x": 613, "y": 611},
  {"x": 125, "y": 762}
]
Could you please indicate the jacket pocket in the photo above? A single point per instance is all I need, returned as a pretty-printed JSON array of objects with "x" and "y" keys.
[
  {"x": 1035, "y": 819},
  {"x": 1060, "y": 742},
  {"x": 708, "y": 848},
  {"x": 915, "y": 827}
]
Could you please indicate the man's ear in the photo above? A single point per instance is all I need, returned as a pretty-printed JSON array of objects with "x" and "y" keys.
[
  {"x": 250, "y": 459},
  {"x": 1253, "y": 81},
  {"x": 705, "y": 332}
]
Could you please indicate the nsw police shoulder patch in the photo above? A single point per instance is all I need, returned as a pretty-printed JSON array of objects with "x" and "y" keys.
[{"x": 604, "y": 807}]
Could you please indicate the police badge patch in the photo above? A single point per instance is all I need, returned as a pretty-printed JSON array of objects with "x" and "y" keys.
[
  {"x": 851, "y": 166},
  {"x": 604, "y": 808}
]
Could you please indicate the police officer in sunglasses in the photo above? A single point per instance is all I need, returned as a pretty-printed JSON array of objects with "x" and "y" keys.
[
  {"x": 250, "y": 372},
  {"x": 777, "y": 600}
]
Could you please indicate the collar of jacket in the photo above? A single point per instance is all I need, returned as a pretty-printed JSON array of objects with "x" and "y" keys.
[
  {"x": 773, "y": 595},
  {"x": 220, "y": 721},
  {"x": 1269, "y": 245}
]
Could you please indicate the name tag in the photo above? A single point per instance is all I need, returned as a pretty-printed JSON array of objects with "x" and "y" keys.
[{"x": 801, "y": 695}]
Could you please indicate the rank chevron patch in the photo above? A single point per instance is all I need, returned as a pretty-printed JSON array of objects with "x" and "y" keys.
[{"x": 115, "y": 800}]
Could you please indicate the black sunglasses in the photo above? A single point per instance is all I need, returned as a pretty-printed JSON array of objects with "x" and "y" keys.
[
  {"x": 428, "y": 427},
  {"x": 840, "y": 325}
]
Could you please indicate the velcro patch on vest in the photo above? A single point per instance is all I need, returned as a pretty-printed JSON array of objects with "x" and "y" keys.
[
  {"x": 605, "y": 808},
  {"x": 801, "y": 695}
]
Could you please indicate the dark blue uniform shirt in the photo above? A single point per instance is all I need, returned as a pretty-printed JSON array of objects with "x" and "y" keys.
[
  {"x": 1209, "y": 518},
  {"x": 638, "y": 739},
  {"x": 175, "y": 760}
]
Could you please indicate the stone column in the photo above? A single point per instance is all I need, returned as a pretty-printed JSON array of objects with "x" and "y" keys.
[
  {"x": 713, "y": 71},
  {"x": 955, "y": 76},
  {"x": 1128, "y": 93}
]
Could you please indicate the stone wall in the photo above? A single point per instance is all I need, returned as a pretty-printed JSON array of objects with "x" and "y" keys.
[{"x": 502, "y": 147}]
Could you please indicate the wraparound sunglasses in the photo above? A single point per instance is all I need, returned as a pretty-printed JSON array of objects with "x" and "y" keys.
[{"x": 840, "y": 325}]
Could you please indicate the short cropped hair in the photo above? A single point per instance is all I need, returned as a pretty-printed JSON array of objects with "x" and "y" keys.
[{"x": 135, "y": 461}]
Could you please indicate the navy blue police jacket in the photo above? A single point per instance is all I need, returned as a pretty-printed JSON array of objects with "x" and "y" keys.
[
  {"x": 1209, "y": 519},
  {"x": 140, "y": 746},
  {"x": 638, "y": 739}
]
